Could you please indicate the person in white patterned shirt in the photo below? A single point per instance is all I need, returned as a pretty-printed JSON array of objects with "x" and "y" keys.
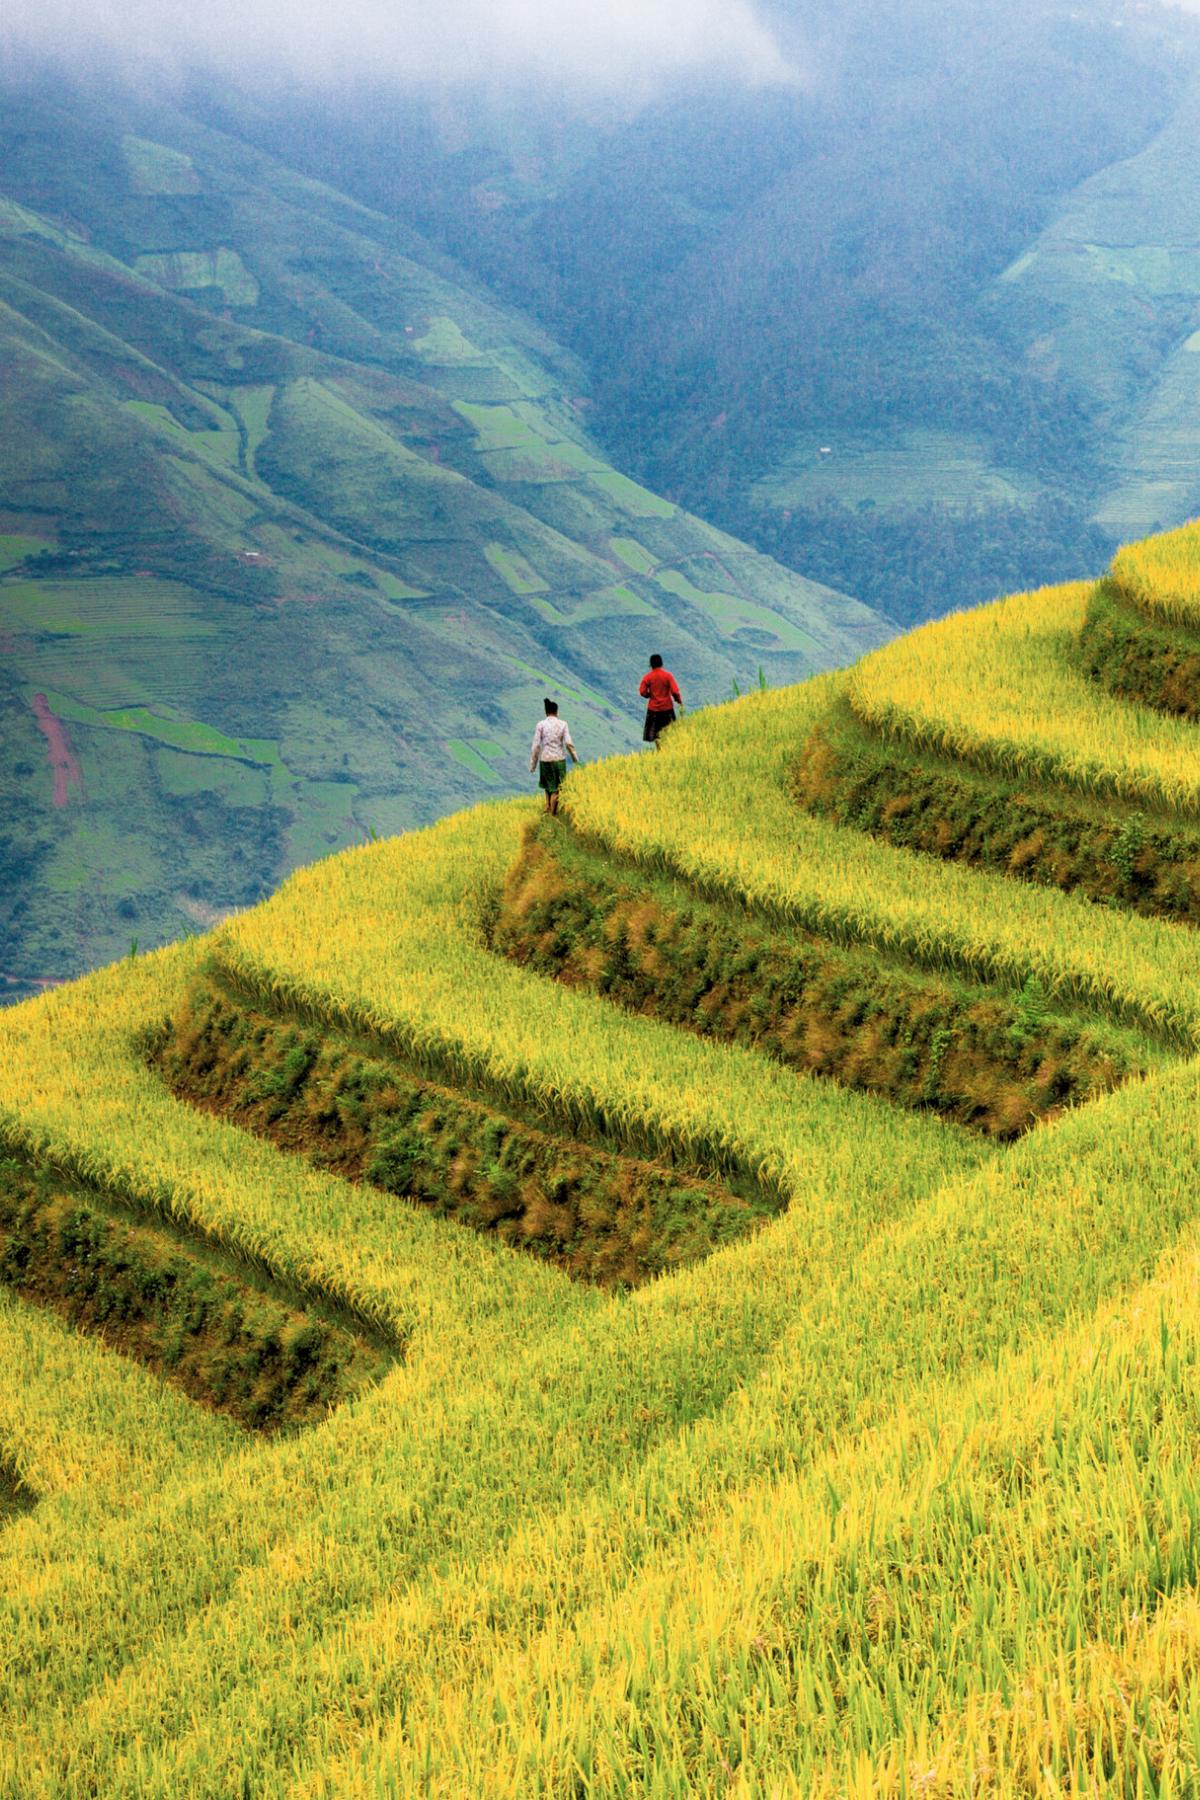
[{"x": 551, "y": 746}]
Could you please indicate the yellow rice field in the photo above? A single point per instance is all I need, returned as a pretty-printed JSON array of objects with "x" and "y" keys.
[
  {"x": 1042, "y": 720},
  {"x": 897, "y": 1496},
  {"x": 1162, "y": 575}
]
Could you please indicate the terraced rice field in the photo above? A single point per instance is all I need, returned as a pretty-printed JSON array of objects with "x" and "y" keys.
[{"x": 696, "y": 1296}]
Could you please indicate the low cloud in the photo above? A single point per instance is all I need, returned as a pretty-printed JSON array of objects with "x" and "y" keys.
[{"x": 602, "y": 44}]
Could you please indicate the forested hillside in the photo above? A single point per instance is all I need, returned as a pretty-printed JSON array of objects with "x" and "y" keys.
[
  {"x": 297, "y": 527},
  {"x": 917, "y": 325}
]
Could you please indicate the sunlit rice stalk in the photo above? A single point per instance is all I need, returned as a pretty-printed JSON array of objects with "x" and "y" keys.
[
  {"x": 897, "y": 1496},
  {"x": 1162, "y": 575}
]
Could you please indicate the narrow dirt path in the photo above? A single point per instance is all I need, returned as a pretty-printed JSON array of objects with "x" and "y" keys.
[{"x": 67, "y": 774}]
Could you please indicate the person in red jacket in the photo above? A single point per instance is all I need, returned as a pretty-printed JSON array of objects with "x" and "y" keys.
[{"x": 661, "y": 693}]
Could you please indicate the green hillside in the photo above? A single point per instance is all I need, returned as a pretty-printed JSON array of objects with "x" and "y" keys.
[
  {"x": 296, "y": 528},
  {"x": 1109, "y": 295},
  {"x": 545, "y": 1306},
  {"x": 917, "y": 326}
]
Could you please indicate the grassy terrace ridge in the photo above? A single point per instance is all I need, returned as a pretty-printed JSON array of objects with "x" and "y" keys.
[
  {"x": 897, "y": 1489},
  {"x": 1147, "y": 659},
  {"x": 409, "y": 943},
  {"x": 997, "y": 1061},
  {"x": 1028, "y": 737},
  {"x": 1042, "y": 718},
  {"x": 598, "y": 1215},
  {"x": 175, "y": 1304},
  {"x": 919, "y": 800},
  {"x": 1161, "y": 575},
  {"x": 835, "y": 881}
]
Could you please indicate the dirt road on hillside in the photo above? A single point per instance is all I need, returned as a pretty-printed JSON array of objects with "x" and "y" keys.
[{"x": 67, "y": 773}]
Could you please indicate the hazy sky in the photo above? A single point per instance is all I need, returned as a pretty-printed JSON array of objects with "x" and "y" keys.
[{"x": 605, "y": 43}]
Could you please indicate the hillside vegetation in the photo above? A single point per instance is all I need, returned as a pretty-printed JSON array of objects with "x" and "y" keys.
[
  {"x": 922, "y": 325},
  {"x": 297, "y": 527},
  {"x": 713, "y": 1304}
]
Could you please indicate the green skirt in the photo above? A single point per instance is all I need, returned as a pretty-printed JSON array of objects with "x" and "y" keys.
[{"x": 551, "y": 775}]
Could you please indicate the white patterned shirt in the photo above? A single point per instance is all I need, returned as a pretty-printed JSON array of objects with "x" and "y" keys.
[{"x": 551, "y": 741}]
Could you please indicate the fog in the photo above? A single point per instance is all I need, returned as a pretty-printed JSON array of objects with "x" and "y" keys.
[{"x": 598, "y": 44}]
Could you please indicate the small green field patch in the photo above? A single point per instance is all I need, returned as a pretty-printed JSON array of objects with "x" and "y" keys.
[
  {"x": 496, "y": 427},
  {"x": 471, "y": 759},
  {"x": 109, "y": 607},
  {"x": 612, "y": 603},
  {"x": 550, "y": 613},
  {"x": 553, "y": 684},
  {"x": 395, "y": 589},
  {"x": 15, "y": 548},
  {"x": 903, "y": 469},
  {"x": 443, "y": 344},
  {"x": 184, "y": 776},
  {"x": 630, "y": 496},
  {"x": 189, "y": 271},
  {"x": 574, "y": 456},
  {"x": 223, "y": 445},
  {"x": 156, "y": 414},
  {"x": 1015, "y": 270},
  {"x": 179, "y": 733},
  {"x": 22, "y": 222},
  {"x": 528, "y": 377},
  {"x": 733, "y": 614},
  {"x": 635, "y": 556},
  {"x": 487, "y": 747},
  {"x": 513, "y": 569},
  {"x": 535, "y": 465},
  {"x": 157, "y": 169},
  {"x": 253, "y": 407}
]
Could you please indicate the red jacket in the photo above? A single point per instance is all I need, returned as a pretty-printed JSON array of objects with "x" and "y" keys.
[{"x": 660, "y": 690}]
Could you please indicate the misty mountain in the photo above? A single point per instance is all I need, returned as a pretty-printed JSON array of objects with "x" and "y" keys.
[
  {"x": 298, "y": 524},
  {"x": 348, "y": 416},
  {"x": 795, "y": 302}
]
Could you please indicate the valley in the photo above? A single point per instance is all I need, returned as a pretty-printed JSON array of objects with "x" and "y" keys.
[
  {"x": 959, "y": 256},
  {"x": 299, "y": 527}
]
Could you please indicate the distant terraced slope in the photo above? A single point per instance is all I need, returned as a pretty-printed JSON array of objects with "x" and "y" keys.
[
  {"x": 714, "y": 1309},
  {"x": 1106, "y": 298},
  {"x": 296, "y": 528}
]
